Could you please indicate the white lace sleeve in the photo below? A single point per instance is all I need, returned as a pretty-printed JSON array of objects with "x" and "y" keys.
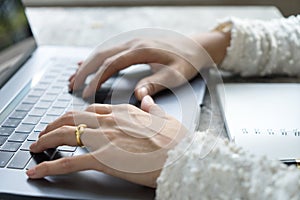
[
  {"x": 263, "y": 47},
  {"x": 212, "y": 168}
]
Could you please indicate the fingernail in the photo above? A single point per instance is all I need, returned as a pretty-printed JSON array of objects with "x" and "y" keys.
[
  {"x": 148, "y": 99},
  {"x": 142, "y": 92},
  {"x": 31, "y": 172}
]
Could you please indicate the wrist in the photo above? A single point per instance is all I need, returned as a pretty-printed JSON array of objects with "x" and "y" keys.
[{"x": 215, "y": 43}]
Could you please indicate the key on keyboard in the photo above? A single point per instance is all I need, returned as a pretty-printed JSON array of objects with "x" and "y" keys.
[
  {"x": 24, "y": 107},
  {"x": 25, "y": 146},
  {"x": 20, "y": 160},
  {"x": 43, "y": 104},
  {"x": 25, "y": 128},
  {"x": 5, "y": 157},
  {"x": 60, "y": 154},
  {"x": 30, "y": 100},
  {"x": 2, "y": 140},
  {"x": 11, "y": 146},
  {"x": 33, "y": 136},
  {"x": 12, "y": 123},
  {"x": 17, "y": 137},
  {"x": 66, "y": 148},
  {"x": 4, "y": 131},
  {"x": 18, "y": 115},
  {"x": 48, "y": 97},
  {"x": 60, "y": 104},
  {"x": 37, "y": 158},
  {"x": 40, "y": 127},
  {"x": 31, "y": 120},
  {"x": 55, "y": 111},
  {"x": 36, "y": 93},
  {"x": 38, "y": 112},
  {"x": 48, "y": 119}
]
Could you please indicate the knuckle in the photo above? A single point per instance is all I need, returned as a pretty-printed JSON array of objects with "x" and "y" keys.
[
  {"x": 48, "y": 127},
  {"x": 63, "y": 129},
  {"x": 68, "y": 115},
  {"x": 151, "y": 88},
  {"x": 91, "y": 107},
  {"x": 109, "y": 119},
  {"x": 107, "y": 107},
  {"x": 108, "y": 62},
  {"x": 43, "y": 168},
  {"x": 123, "y": 107},
  {"x": 66, "y": 164}
]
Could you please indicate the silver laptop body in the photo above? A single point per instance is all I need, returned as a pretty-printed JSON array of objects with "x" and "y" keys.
[
  {"x": 263, "y": 118},
  {"x": 34, "y": 92}
]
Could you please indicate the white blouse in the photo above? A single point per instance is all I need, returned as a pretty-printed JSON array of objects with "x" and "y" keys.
[
  {"x": 213, "y": 168},
  {"x": 264, "y": 47}
]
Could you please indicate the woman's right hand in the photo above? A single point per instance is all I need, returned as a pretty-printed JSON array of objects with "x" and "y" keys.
[{"x": 173, "y": 62}]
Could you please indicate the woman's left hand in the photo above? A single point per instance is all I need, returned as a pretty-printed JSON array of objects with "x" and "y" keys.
[{"x": 124, "y": 141}]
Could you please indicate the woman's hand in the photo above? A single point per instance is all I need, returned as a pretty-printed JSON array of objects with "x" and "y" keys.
[
  {"x": 124, "y": 141},
  {"x": 173, "y": 62}
]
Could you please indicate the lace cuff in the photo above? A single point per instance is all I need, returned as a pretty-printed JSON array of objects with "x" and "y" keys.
[
  {"x": 213, "y": 168},
  {"x": 263, "y": 47}
]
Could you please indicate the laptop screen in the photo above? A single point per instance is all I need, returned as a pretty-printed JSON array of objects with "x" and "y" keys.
[{"x": 16, "y": 39}]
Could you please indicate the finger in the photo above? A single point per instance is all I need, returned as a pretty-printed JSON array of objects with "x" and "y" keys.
[
  {"x": 71, "y": 79},
  {"x": 167, "y": 77},
  {"x": 80, "y": 63},
  {"x": 99, "y": 108},
  {"x": 73, "y": 119},
  {"x": 146, "y": 103},
  {"x": 64, "y": 135},
  {"x": 62, "y": 166},
  {"x": 116, "y": 63},
  {"x": 152, "y": 84},
  {"x": 92, "y": 64}
]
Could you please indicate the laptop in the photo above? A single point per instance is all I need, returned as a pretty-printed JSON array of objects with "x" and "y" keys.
[
  {"x": 33, "y": 91},
  {"x": 263, "y": 118}
]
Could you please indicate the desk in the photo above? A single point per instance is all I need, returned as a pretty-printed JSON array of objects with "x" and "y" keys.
[{"x": 90, "y": 26}]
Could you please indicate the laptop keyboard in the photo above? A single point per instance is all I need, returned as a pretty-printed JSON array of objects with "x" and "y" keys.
[{"x": 44, "y": 103}]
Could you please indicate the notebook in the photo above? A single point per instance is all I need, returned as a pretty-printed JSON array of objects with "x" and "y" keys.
[
  {"x": 263, "y": 118},
  {"x": 33, "y": 91}
]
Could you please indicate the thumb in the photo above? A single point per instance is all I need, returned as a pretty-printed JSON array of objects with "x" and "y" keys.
[
  {"x": 150, "y": 85},
  {"x": 148, "y": 105}
]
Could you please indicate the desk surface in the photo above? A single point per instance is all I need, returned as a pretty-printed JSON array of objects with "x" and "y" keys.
[{"x": 90, "y": 26}]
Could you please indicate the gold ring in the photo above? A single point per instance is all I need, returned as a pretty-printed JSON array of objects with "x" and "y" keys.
[{"x": 79, "y": 130}]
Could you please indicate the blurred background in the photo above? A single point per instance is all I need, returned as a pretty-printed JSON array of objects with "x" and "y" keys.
[{"x": 287, "y": 7}]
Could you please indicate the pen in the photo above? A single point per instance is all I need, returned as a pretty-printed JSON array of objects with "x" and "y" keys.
[{"x": 289, "y": 162}]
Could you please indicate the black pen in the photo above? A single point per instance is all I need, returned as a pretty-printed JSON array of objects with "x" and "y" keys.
[{"x": 289, "y": 162}]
